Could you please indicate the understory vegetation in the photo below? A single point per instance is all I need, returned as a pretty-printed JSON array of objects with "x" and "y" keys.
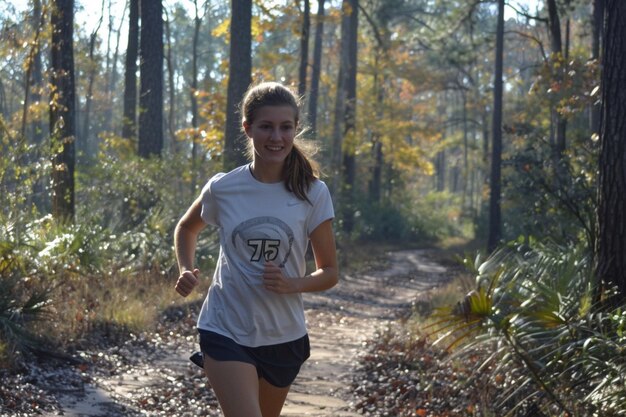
[
  {"x": 530, "y": 335},
  {"x": 66, "y": 285},
  {"x": 421, "y": 151},
  {"x": 524, "y": 331}
]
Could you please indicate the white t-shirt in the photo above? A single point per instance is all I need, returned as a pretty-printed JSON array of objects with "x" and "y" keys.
[{"x": 258, "y": 221}]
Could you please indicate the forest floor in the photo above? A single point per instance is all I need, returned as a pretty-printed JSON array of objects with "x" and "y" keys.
[{"x": 150, "y": 375}]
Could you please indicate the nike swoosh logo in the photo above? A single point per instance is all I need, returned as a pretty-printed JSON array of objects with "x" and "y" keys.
[{"x": 293, "y": 203}]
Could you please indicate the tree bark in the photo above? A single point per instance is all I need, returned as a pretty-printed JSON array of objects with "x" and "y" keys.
[
  {"x": 317, "y": 65},
  {"x": 556, "y": 44},
  {"x": 304, "y": 48},
  {"x": 62, "y": 109},
  {"x": 340, "y": 100},
  {"x": 87, "y": 148},
  {"x": 112, "y": 71},
  {"x": 239, "y": 78},
  {"x": 129, "y": 123},
  {"x": 193, "y": 91},
  {"x": 596, "y": 50},
  {"x": 169, "y": 63},
  {"x": 611, "y": 212},
  {"x": 554, "y": 26},
  {"x": 349, "y": 134},
  {"x": 37, "y": 128},
  {"x": 377, "y": 146},
  {"x": 495, "y": 221},
  {"x": 151, "y": 79},
  {"x": 33, "y": 76}
]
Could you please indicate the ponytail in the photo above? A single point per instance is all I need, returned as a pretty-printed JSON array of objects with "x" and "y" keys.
[{"x": 300, "y": 170}]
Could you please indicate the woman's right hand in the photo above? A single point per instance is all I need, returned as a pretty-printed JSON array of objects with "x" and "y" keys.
[{"x": 187, "y": 281}]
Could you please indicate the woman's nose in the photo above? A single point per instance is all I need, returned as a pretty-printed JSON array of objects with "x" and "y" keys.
[{"x": 275, "y": 134}]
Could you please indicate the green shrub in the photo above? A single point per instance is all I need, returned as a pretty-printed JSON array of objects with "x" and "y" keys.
[
  {"x": 24, "y": 296},
  {"x": 425, "y": 219},
  {"x": 532, "y": 311}
]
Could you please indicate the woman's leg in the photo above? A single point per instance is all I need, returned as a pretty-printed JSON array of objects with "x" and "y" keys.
[
  {"x": 236, "y": 386},
  {"x": 272, "y": 398}
]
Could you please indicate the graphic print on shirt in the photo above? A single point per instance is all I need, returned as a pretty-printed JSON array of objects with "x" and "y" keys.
[{"x": 263, "y": 239}]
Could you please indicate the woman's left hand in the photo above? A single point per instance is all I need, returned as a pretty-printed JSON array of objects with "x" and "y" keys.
[{"x": 275, "y": 281}]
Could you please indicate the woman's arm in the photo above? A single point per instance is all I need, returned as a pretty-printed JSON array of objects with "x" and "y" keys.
[
  {"x": 185, "y": 239},
  {"x": 324, "y": 277}
]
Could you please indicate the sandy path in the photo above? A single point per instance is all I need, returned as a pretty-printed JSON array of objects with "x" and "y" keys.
[
  {"x": 340, "y": 322},
  {"x": 342, "y": 319}
]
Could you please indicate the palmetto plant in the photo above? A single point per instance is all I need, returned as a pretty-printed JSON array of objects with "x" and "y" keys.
[
  {"x": 22, "y": 301},
  {"x": 531, "y": 316}
]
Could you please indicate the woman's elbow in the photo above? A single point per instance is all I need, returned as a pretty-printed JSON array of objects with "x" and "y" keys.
[{"x": 333, "y": 278}]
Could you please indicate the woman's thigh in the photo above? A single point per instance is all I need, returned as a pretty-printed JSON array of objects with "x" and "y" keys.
[
  {"x": 236, "y": 386},
  {"x": 271, "y": 398}
]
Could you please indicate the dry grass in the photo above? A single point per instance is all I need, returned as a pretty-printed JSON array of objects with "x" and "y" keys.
[{"x": 85, "y": 309}]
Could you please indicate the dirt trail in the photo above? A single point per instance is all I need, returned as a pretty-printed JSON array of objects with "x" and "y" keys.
[{"x": 340, "y": 322}]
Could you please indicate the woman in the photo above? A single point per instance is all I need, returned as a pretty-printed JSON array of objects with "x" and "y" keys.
[{"x": 252, "y": 327}]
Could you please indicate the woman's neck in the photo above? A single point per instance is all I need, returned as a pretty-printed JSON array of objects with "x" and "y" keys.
[{"x": 267, "y": 174}]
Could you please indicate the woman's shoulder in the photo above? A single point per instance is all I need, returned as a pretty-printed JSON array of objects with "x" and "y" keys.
[
  {"x": 317, "y": 188},
  {"x": 224, "y": 177},
  {"x": 318, "y": 184}
]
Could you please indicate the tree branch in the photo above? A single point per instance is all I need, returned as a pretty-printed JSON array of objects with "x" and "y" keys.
[
  {"x": 532, "y": 38},
  {"x": 526, "y": 15}
]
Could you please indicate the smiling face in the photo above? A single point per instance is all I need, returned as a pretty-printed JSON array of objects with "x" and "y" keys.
[{"x": 272, "y": 132}]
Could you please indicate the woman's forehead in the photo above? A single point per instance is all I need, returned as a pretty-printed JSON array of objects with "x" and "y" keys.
[{"x": 276, "y": 114}]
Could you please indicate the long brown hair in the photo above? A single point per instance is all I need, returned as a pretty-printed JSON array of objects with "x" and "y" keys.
[{"x": 300, "y": 168}]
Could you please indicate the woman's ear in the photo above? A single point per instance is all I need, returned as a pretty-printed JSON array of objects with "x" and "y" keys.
[{"x": 246, "y": 127}]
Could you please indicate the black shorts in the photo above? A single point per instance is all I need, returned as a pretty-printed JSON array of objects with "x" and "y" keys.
[{"x": 277, "y": 364}]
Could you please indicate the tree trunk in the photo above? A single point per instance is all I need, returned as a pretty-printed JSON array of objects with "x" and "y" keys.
[
  {"x": 495, "y": 222},
  {"x": 3, "y": 104},
  {"x": 192, "y": 93},
  {"x": 317, "y": 65},
  {"x": 377, "y": 172},
  {"x": 596, "y": 48},
  {"x": 62, "y": 109},
  {"x": 440, "y": 170},
  {"x": 37, "y": 125},
  {"x": 129, "y": 123},
  {"x": 33, "y": 75},
  {"x": 340, "y": 99},
  {"x": 466, "y": 168},
  {"x": 239, "y": 78},
  {"x": 554, "y": 26},
  {"x": 304, "y": 48},
  {"x": 377, "y": 146},
  {"x": 112, "y": 70},
  {"x": 349, "y": 134},
  {"x": 611, "y": 248},
  {"x": 556, "y": 44},
  {"x": 169, "y": 63},
  {"x": 36, "y": 72},
  {"x": 151, "y": 79},
  {"x": 84, "y": 142}
]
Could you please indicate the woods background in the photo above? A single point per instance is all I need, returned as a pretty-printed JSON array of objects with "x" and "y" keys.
[
  {"x": 489, "y": 124},
  {"x": 412, "y": 145}
]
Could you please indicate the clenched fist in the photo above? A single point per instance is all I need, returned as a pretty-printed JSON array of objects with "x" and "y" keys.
[
  {"x": 187, "y": 281},
  {"x": 275, "y": 281}
]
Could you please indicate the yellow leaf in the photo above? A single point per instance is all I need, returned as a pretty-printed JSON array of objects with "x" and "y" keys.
[{"x": 222, "y": 30}]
